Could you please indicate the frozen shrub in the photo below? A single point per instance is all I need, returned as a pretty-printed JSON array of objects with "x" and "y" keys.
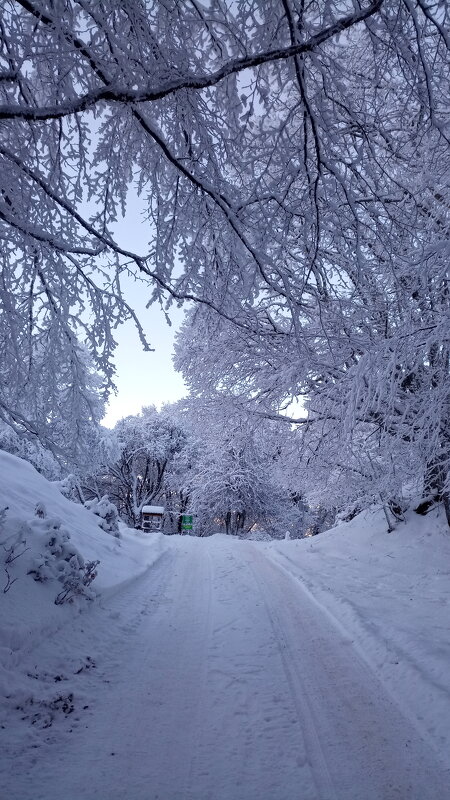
[
  {"x": 40, "y": 511},
  {"x": 13, "y": 551},
  {"x": 68, "y": 487},
  {"x": 107, "y": 513},
  {"x": 60, "y": 560},
  {"x": 76, "y": 581}
]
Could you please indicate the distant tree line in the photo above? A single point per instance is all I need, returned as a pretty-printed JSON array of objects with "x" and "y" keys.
[{"x": 228, "y": 471}]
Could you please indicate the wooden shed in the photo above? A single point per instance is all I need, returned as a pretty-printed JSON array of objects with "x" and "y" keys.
[{"x": 152, "y": 518}]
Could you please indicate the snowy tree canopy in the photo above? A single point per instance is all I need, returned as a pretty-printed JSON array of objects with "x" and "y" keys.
[
  {"x": 243, "y": 477},
  {"x": 292, "y": 160}
]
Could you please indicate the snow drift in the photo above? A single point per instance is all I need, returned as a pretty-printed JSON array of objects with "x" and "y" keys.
[{"x": 48, "y": 544}]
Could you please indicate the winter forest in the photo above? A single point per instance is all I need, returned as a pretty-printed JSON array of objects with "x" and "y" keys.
[
  {"x": 293, "y": 162},
  {"x": 293, "y": 159},
  {"x": 286, "y": 163}
]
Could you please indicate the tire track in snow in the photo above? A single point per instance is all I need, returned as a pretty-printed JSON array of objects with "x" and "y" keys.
[
  {"x": 367, "y": 640},
  {"x": 136, "y": 740},
  {"x": 250, "y": 744},
  {"x": 176, "y": 639},
  {"x": 227, "y": 682},
  {"x": 299, "y": 692},
  {"x": 201, "y": 676},
  {"x": 210, "y": 717}
]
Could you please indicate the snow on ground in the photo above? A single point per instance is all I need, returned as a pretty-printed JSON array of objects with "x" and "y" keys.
[
  {"x": 29, "y": 617},
  {"x": 391, "y": 593},
  {"x": 221, "y": 669}
]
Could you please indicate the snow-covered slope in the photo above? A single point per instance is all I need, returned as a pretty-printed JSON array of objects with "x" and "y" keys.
[
  {"x": 28, "y": 610},
  {"x": 391, "y": 593}
]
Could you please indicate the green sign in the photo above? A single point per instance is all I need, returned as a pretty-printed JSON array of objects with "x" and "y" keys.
[{"x": 186, "y": 522}]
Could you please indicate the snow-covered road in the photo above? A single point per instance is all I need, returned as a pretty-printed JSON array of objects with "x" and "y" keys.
[{"x": 218, "y": 677}]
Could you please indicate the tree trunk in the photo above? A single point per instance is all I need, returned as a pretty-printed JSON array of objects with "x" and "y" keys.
[
  {"x": 433, "y": 487},
  {"x": 446, "y": 502},
  {"x": 228, "y": 522}
]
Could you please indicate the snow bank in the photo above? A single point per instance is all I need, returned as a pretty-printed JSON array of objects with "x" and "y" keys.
[
  {"x": 38, "y": 514},
  {"x": 391, "y": 593}
]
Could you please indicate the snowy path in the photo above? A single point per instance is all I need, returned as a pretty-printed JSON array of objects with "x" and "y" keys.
[{"x": 219, "y": 678}]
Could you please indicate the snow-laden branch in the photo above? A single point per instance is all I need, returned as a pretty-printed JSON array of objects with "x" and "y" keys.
[{"x": 114, "y": 92}]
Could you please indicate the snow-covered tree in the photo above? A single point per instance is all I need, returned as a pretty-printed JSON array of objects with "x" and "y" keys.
[
  {"x": 238, "y": 481},
  {"x": 291, "y": 159},
  {"x": 50, "y": 393},
  {"x": 134, "y": 477},
  {"x": 179, "y": 477},
  {"x": 376, "y": 399},
  {"x": 30, "y": 450}
]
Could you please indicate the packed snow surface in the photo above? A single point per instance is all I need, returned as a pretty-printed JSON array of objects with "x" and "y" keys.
[{"x": 220, "y": 669}]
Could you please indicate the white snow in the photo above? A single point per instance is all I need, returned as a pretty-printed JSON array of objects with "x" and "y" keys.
[
  {"x": 28, "y": 612},
  {"x": 220, "y": 669}
]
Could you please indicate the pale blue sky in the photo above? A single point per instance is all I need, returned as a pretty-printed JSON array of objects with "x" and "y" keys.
[{"x": 143, "y": 378}]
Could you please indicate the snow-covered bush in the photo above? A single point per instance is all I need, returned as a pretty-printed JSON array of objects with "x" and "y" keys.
[
  {"x": 259, "y": 536},
  {"x": 12, "y": 551},
  {"x": 59, "y": 560},
  {"x": 68, "y": 487},
  {"x": 107, "y": 513}
]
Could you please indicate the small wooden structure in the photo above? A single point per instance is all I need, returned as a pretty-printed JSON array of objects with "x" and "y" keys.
[{"x": 152, "y": 518}]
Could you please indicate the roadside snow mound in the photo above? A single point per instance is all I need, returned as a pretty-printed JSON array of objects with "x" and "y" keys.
[
  {"x": 54, "y": 558},
  {"x": 390, "y": 592}
]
